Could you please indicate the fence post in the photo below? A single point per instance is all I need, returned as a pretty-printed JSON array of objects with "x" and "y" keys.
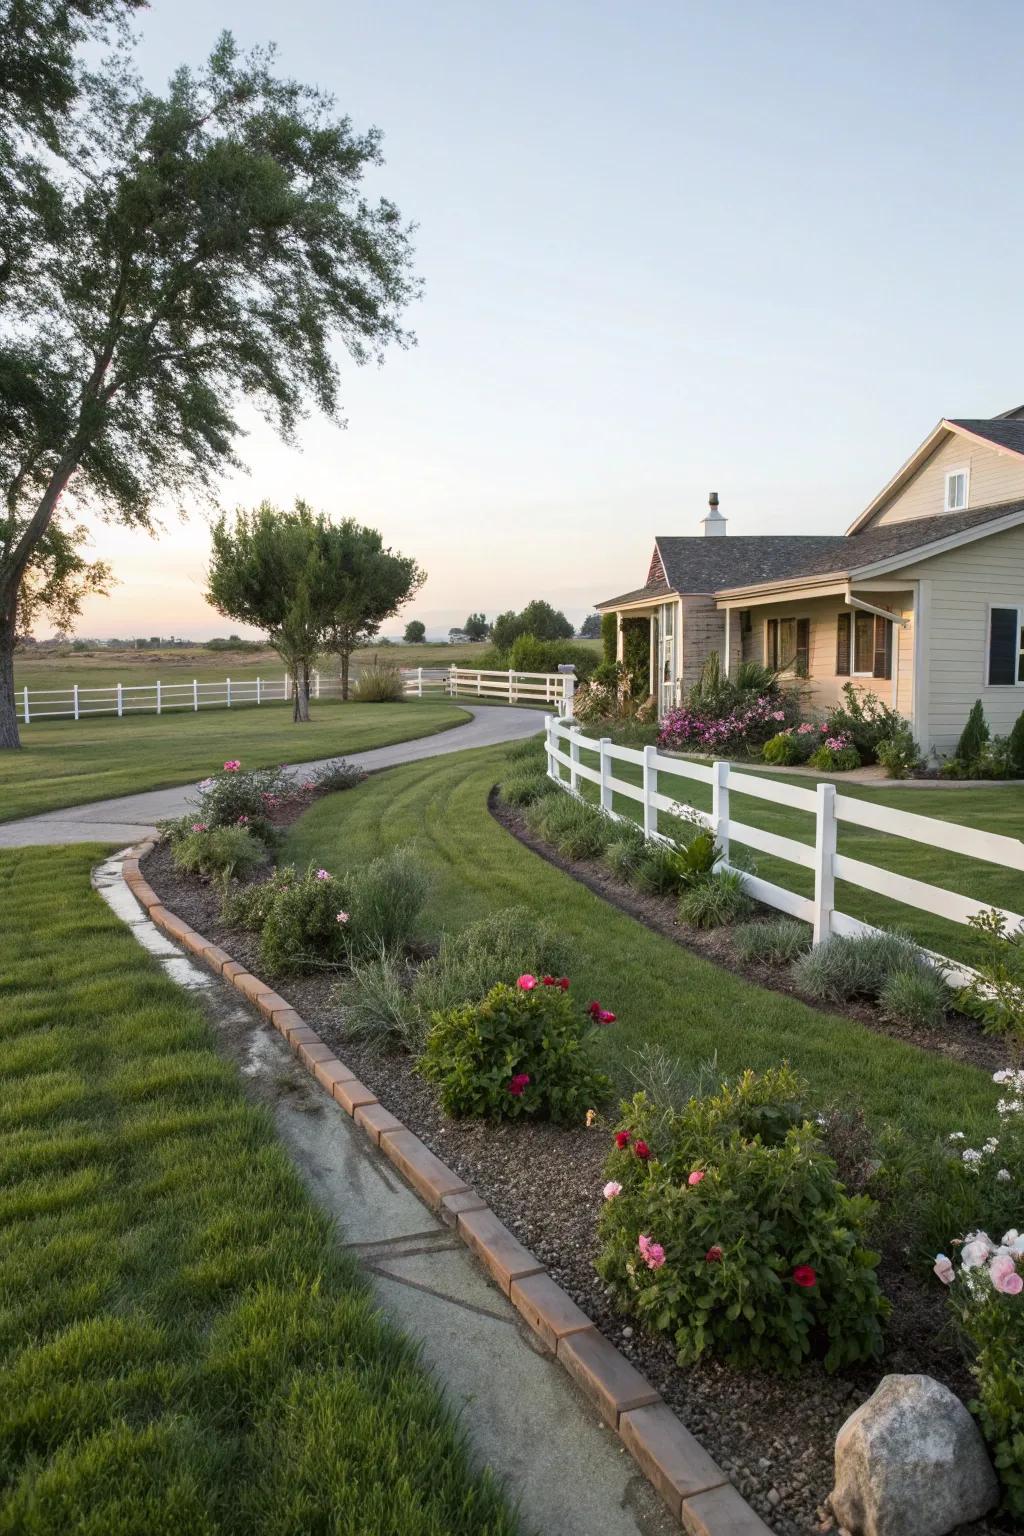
[
  {"x": 419, "y": 680},
  {"x": 568, "y": 695},
  {"x": 511, "y": 686},
  {"x": 574, "y": 753},
  {"x": 824, "y": 866},
  {"x": 553, "y": 772},
  {"x": 258, "y": 698},
  {"x": 720, "y": 809},
  {"x": 606, "y": 788},
  {"x": 650, "y": 790},
  {"x": 316, "y": 684},
  {"x": 24, "y": 699},
  {"x": 195, "y": 694},
  {"x": 120, "y": 701},
  {"x": 228, "y": 681},
  {"x": 76, "y": 700},
  {"x": 158, "y": 699}
]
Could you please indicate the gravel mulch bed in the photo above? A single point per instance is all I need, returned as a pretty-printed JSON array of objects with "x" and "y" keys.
[{"x": 774, "y": 1437}]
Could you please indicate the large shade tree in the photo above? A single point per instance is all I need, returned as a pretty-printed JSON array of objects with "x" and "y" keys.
[{"x": 168, "y": 256}]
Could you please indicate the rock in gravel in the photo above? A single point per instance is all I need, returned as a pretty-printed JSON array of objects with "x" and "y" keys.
[{"x": 911, "y": 1462}]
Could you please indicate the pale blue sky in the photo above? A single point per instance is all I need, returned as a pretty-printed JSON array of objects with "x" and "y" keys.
[{"x": 667, "y": 247}]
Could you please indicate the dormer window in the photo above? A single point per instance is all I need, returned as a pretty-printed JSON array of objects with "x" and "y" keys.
[{"x": 956, "y": 490}]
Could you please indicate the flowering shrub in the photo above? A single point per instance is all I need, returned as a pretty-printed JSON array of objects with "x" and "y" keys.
[
  {"x": 988, "y": 1295},
  {"x": 522, "y": 1052},
  {"x": 729, "y": 1231},
  {"x": 229, "y": 852},
  {"x": 299, "y": 930},
  {"x": 745, "y": 727},
  {"x": 232, "y": 793},
  {"x": 836, "y": 754},
  {"x": 864, "y": 721}
]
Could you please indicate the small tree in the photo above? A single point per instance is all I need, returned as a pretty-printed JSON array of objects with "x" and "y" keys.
[
  {"x": 368, "y": 584},
  {"x": 476, "y": 627},
  {"x": 268, "y": 569},
  {"x": 590, "y": 629},
  {"x": 537, "y": 618},
  {"x": 415, "y": 632},
  {"x": 973, "y": 736}
]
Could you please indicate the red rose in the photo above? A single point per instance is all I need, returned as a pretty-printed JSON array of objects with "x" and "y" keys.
[
  {"x": 563, "y": 982},
  {"x": 804, "y": 1276},
  {"x": 594, "y": 1009},
  {"x": 622, "y": 1140},
  {"x": 642, "y": 1150},
  {"x": 604, "y": 1017},
  {"x": 518, "y": 1083},
  {"x": 713, "y": 1255},
  {"x": 549, "y": 981}
]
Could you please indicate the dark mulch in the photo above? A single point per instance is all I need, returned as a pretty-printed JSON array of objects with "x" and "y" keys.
[
  {"x": 961, "y": 1039},
  {"x": 774, "y": 1437}
]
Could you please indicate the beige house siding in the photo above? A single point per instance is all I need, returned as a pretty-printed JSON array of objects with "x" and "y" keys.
[
  {"x": 994, "y": 477},
  {"x": 823, "y": 687},
  {"x": 703, "y": 632},
  {"x": 962, "y": 585}
]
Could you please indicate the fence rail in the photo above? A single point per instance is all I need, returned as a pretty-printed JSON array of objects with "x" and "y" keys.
[
  {"x": 828, "y": 807},
  {"x": 516, "y": 687}
]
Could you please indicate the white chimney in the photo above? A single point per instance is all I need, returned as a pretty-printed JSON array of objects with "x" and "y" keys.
[{"x": 714, "y": 523}]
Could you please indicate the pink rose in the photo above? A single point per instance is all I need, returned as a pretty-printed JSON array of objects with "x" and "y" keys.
[
  {"x": 232, "y": 765},
  {"x": 323, "y": 874},
  {"x": 612, "y": 1189},
  {"x": 526, "y": 982},
  {"x": 1003, "y": 1274},
  {"x": 342, "y": 917},
  {"x": 199, "y": 826},
  {"x": 653, "y": 1254},
  {"x": 944, "y": 1269},
  {"x": 695, "y": 1176}
]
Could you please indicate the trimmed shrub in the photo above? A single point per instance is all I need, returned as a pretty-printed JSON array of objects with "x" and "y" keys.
[
  {"x": 502, "y": 947},
  {"x": 335, "y": 775},
  {"x": 715, "y": 900},
  {"x": 236, "y": 797},
  {"x": 1015, "y": 746},
  {"x": 248, "y": 906},
  {"x": 973, "y": 736},
  {"x": 773, "y": 941},
  {"x": 781, "y": 750},
  {"x": 865, "y": 721},
  {"x": 386, "y": 898},
  {"x": 528, "y": 654},
  {"x": 626, "y": 851},
  {"x": 726, "y": 1228},
  {"x": 834, "y": 756},
  {"x": 844, "y": 967},
  {"x": 917, "y": 996},
  {"x": 609, "y": 637},
  {"x": 899, "y": 754},
  {"x": 305, "y": 923},
  {"x": 230, "y": 852},
  {"x": 527, "y": 786},
  {"x": 379, "y": 683},
  {"x": 522, "y": 1052},
  {"x": 576, "y": 828}
]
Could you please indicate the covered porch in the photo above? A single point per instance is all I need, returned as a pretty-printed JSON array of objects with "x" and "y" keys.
[{"x": 649, "y": 645}]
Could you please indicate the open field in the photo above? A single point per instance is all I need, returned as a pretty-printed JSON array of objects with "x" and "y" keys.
[
  {"x": 999, "y": 808},
  {"x": 67, "y": 762},
  {"x": 664, "y": 995},
  {"x": 185, "y": 1350},
  {"x": 102, "y": 669}
]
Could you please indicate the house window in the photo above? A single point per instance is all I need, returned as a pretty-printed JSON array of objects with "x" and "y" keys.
[
  {"x": 956, "y": 490},
  {"x": 788, "y": 645},
  {"x": 865, "y": 640},
  {"x": 1005, "y": 647}
]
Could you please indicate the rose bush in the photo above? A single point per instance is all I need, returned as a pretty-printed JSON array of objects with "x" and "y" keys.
[
  {"x": 522, "y": 1052},
  {"x": 760, "y": 1252}
]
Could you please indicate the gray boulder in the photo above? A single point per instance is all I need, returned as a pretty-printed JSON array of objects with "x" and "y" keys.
[{"x": 911, "y": 1462}]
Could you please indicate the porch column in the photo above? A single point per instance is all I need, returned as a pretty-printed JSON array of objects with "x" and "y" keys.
[
  {"x": 919, "y": 681},
  {"x": 728, "y": 641},
  {"x": 618, "y": 637}
]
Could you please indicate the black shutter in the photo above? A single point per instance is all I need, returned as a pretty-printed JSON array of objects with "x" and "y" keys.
[
  {"x": 883, "y": 648},
  {"x": 803, "y": 647},
  {"x": 771, "y": 630},
  {"x": 843, "y": 646},
  {"x": 1003, "y": 646}
]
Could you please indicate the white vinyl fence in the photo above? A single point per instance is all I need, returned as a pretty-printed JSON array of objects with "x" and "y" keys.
[
  {"x": 75, "y": 703},
  {"x": 828, "y": 807}
]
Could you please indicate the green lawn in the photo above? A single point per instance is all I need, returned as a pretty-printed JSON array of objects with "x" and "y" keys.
[
  {"x": 184, "y": 1351},
  {"x": 661, "y": 992},
  {"x": 996, "y": 809},
  {"x": 67, "y": 762}
]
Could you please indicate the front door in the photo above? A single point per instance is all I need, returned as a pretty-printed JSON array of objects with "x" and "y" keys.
[{"x": 668, "y": 664}]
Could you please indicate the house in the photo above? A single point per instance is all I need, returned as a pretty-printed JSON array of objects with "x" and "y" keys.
[{"x": 921, "y": 601}]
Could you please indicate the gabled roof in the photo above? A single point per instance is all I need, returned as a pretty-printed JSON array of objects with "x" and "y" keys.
[{"x": 1004, "y": 433}]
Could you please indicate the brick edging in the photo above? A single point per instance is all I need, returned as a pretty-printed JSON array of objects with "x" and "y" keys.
[{"x": 696, "y": 1490}]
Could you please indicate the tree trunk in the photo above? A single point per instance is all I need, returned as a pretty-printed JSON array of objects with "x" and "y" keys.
[
  {"x": 344, "y": 674},
  {"x": 301, "y": 712},
  {"x": 9, "y": 737}
]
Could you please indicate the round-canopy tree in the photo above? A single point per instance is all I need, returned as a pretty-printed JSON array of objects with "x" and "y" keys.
[
  {"x": 415, "y": 632},
  {"x": 166, "y": 256},
  {"x": 369, "y": 583}
]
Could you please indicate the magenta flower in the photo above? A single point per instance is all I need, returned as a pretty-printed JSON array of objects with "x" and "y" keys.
[
  {"x": 323, "y": 874},
  {"x": 653, "y": 1254},
  {"x": 526, "y": 983},
  {"x": 695, "y": 1177},
  {"x": 518, "y": 1083},
  {"x": 232, "y": 765},
  {"x": 243, "y": 820}
]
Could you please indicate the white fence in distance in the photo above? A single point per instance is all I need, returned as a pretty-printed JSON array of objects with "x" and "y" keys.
[
  {"x": 828, "y": 808},
  {"x": 76, "y": 703}
]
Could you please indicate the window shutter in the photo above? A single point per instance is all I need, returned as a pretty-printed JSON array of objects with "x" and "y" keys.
[
  {"x": 843, "y": 646},
  {"x": 1002, "y": 646},
  {"x": 803, "y": 647},
  {"x": 771, "y": 631},
  {"x": 883, "y": 648}
]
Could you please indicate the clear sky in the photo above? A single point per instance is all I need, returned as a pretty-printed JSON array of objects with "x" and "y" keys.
[{"x": 668, "y": 246}]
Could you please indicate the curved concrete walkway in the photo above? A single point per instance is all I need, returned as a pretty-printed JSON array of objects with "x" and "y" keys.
[{"x": 130, "y": 818}]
